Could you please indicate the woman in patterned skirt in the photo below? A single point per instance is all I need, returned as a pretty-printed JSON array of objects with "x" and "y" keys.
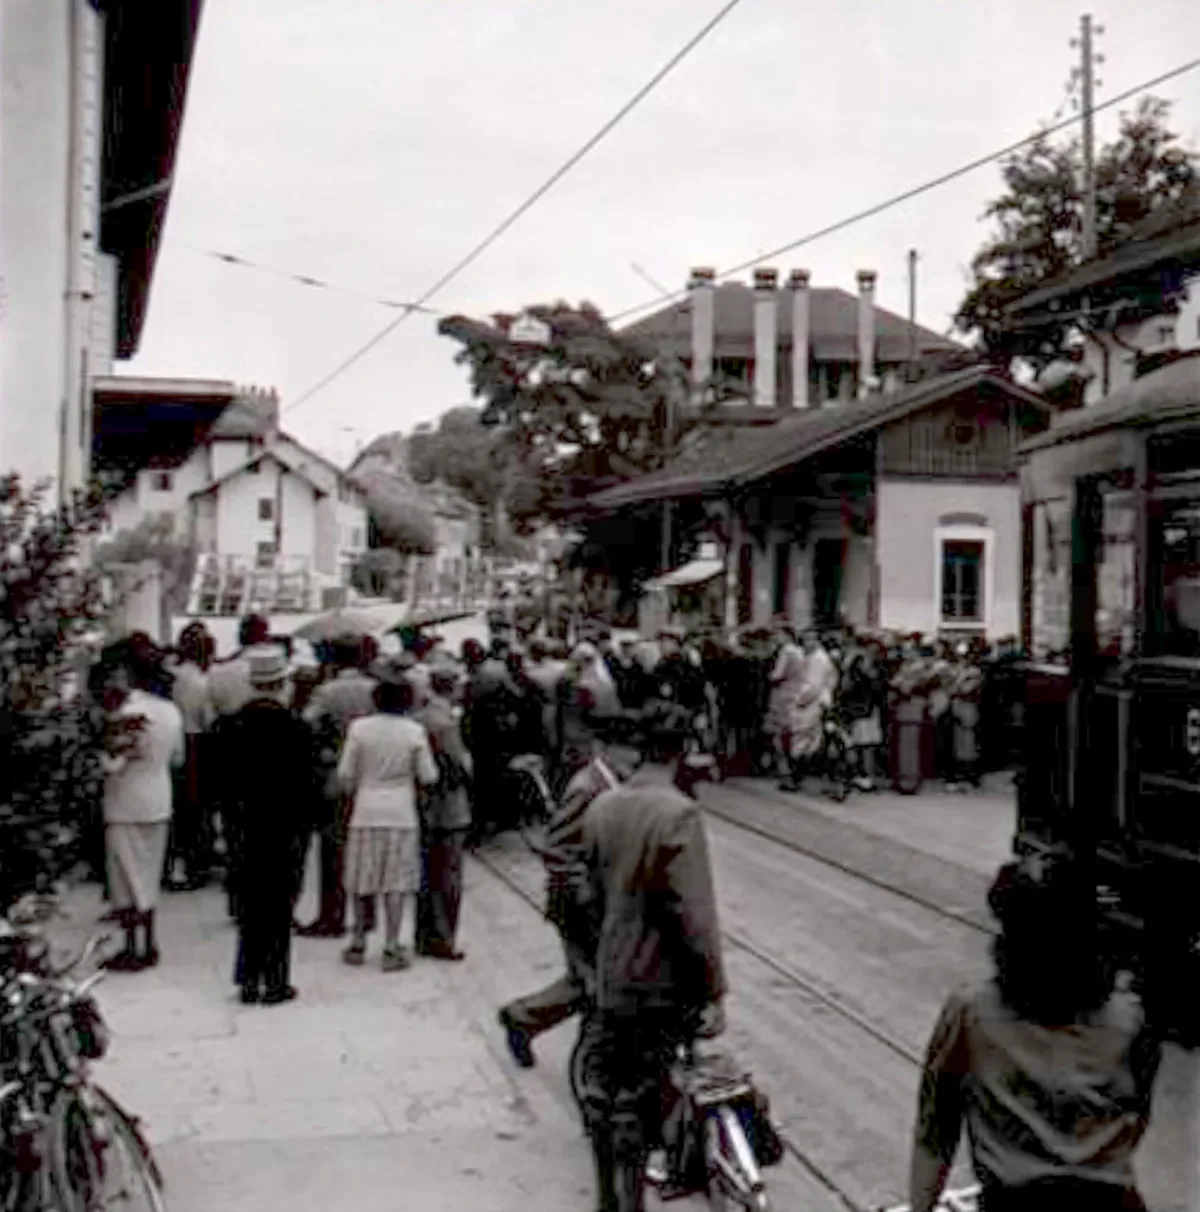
[{"x": 385, "y": 756}]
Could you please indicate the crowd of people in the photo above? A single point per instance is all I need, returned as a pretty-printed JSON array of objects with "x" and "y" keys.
[{"x": 394, "y": 763}]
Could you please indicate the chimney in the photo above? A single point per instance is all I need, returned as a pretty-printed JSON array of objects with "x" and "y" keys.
[
  {"x": 866, "y": 330},
  {"x": 766, "y": 336},
  {"x": 798, "y": 285},
  {"x": 700, "y": 291}
]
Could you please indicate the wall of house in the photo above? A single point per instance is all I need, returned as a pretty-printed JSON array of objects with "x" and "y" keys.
[
  {"x": 239, "y": 530},
  {"x": 1111, "y": 358},
  {"x": 911, "y": 518},
  {"x": 48, "y": 199},
  {"x": 224, "y": 455}
]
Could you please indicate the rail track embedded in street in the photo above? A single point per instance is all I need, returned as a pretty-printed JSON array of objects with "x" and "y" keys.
[
  {"x": 905, "y": 894},
  {"x": 789, "y": 974}
]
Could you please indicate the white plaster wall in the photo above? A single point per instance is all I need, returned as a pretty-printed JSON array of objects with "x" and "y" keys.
[
  {"x": 227, "y": 454},
  {"x": 239, "y": 530},
  {"x": 35, "y": 143},
  {"x": 907, "y": 518},
  {"x": 856, "y": 580},
  {"x": 299, "y": 500}
]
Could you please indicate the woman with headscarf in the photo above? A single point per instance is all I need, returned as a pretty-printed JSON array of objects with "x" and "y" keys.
[{"x": 1047, "y": 1064}]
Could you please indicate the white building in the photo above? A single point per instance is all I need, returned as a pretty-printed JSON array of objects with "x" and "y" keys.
[
  {"x": 91, "y": 95},
  {"x": 275, "y": 524}
]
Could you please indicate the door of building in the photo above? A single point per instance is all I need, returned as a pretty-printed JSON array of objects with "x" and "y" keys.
[
  {"x": 828, "y": 557},
  {"x": 782, "y": 603}
]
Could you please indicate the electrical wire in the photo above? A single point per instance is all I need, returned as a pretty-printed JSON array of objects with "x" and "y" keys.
[
  {"x": 917, "y": 190},
  {"x": 240, "y": 262},
  {"x": 531, "y": 201}
]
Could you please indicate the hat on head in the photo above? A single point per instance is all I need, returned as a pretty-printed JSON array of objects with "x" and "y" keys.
[{"x": 267, "y": 667}]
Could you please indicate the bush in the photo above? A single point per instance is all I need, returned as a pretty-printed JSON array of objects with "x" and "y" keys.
[{"x": 51, "y": 735}]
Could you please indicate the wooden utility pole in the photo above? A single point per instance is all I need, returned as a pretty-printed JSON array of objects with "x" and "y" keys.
[{"x": 1087, "y": 84}]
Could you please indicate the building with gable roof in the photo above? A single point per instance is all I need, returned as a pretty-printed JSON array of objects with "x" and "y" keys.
[
  {"x": 274, "y": 523},
  {"x": 867, "y": 473}
]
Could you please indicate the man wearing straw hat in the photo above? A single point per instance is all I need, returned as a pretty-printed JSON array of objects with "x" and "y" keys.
[{"x": 272, "y": 793}]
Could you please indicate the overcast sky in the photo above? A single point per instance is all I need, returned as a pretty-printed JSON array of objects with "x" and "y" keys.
[{"x": 371, "y": 143}]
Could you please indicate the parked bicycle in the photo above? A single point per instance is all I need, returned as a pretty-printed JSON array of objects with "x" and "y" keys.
[{"x": 65, "y": 1144}]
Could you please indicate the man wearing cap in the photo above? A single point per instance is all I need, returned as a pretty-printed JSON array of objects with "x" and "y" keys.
[
  {"x": 334, "y": 706},
  {"x": 272, "y": 793}
]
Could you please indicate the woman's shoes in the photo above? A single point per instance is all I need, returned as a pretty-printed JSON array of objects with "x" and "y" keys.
[
  {"x": 355, "y": 955},
  {"x": 395, "y": 959},
  {"x": 443, "y": 951}
]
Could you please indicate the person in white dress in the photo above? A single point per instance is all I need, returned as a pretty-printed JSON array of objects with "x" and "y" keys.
[
  {"x": 138, "y": 792},
  {"x": 385, "y": 757}
]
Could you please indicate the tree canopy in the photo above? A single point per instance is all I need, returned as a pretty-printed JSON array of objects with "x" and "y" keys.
[
  {"x": 1143, "y": 175},
  {"x": 587, "y": 406}
]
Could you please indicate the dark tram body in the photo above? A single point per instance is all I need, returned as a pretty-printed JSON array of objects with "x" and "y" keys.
[{"x": 1111, "y": 737}]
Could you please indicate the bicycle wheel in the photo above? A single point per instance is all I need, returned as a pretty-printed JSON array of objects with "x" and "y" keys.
[
  {"x": 578, "y": 1066},
  {"x": 98, "y": 1160}
]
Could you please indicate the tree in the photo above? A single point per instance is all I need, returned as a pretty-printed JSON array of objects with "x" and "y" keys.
[
  {"x": 376, "y": 572},
  {"x": 588, "y": 406},
  {"x": 51, "y": 735},
  {"x": 396, "y": 519},
  {"x": 1143, "y": 176},
  {"x": 155, "y": 539}
]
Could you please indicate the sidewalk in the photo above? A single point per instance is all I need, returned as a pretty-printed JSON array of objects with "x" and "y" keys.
[{"x": 371, "y": 1091}]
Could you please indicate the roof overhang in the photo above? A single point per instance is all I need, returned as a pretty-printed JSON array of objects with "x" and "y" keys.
[
  {"x": 148, "y": 52},
  {"x": 799, "y": 438},
  {"x": 1174, "y": 254},
  {"x": 139, "y": 421}
]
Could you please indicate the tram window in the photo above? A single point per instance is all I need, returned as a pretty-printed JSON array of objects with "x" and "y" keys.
[
  {"x": 1178, "y": 561},
  {"x": 1116, "y": 578},
  {"x": 962, "y": 581}
]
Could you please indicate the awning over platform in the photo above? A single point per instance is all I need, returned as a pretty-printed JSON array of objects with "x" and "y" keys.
[{"x": 694, "y": 572}]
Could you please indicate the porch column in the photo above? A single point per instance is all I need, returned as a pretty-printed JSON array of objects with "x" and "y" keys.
[{"x": 733, "y": 547}]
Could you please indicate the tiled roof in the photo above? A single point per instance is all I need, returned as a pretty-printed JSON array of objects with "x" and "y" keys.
[
  {"x": 274, "y": 456},
  {"x": 249, "y": 415},
  {"x": 833, "y": 325},
  {"x": 1170, "y": 393},
  {"x": 723, "y": 456}
]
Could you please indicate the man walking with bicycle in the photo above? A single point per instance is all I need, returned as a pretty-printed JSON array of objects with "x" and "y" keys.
[{"x": 658, "y": 960}]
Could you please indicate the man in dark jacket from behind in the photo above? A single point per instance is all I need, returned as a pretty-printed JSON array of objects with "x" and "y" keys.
[
  {"x": 445, "y": 820},
  {"x": 272, "y": 790},
  {"x": 658, "y": 968}
]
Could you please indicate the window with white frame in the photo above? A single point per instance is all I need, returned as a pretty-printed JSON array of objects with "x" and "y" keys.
[
  {"x": 962, "y": 557},
  {"x": 962, "y": 581}
]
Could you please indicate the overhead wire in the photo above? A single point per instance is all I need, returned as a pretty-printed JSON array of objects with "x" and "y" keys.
[
  {"x": 302, "y": 279},
  {"x": 475, "y": 253},
  {"x": 916, "y": 191}
]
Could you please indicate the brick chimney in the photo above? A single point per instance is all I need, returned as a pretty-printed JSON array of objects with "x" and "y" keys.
[
  {"x": 798, "y": 285},
  {"x": 766, "y": 336},
  {"x": 866, "y": 330},
  {"x": 700, "y": 292}
]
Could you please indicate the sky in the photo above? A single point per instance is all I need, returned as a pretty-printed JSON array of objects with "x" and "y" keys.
[{"x": 372, "y": 143}]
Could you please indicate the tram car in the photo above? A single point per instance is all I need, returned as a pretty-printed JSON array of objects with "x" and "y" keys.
[{"x": 1111, "y": 737}]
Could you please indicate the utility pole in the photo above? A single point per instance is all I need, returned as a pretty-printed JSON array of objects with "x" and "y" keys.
[
  {"x": 1087, "y": 101},
  {"x": 912, "y": 305}
]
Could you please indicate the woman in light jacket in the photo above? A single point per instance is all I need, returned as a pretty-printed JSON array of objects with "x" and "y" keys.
[{"x": 384, "y": 758}]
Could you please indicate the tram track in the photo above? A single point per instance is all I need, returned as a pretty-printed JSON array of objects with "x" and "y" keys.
[
  {"x": 781, "y": 969},
  {"x": 789, "y": 844}
]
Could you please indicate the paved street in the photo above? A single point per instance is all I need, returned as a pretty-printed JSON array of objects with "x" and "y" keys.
[{"x": 377, "y": 1091}]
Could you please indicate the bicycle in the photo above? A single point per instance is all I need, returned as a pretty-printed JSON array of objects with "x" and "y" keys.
[
  {"x": 65, "y": 1144},
  {"x": 719, "y": 1137}
]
